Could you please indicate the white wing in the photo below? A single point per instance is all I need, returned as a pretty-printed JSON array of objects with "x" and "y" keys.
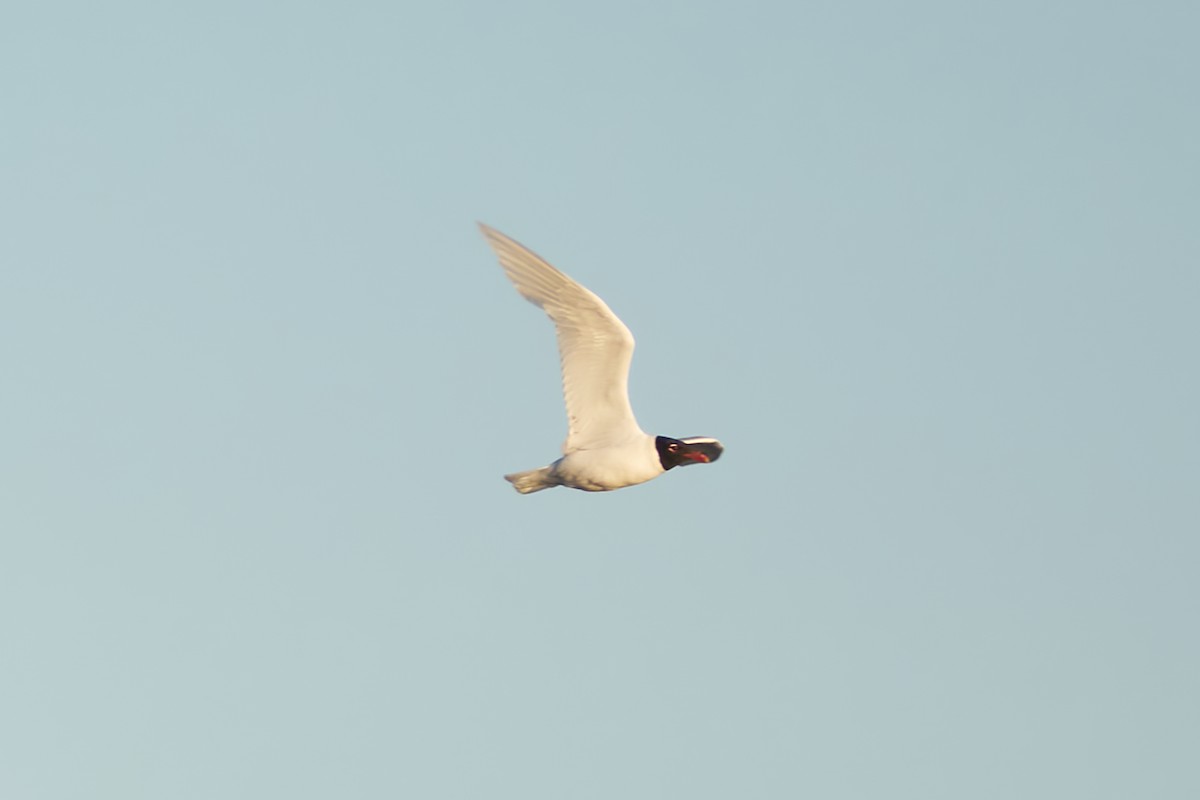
[{"x": 594, "y": 346}]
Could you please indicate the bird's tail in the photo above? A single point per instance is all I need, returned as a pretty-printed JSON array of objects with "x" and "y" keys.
[{"x": 532, "y": 481}]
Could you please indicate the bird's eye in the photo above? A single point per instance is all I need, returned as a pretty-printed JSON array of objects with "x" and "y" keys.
[{"x": 674, "y": 448}]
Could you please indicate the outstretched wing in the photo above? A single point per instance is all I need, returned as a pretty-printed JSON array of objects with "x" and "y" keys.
[{"x": 594, "y": 347}]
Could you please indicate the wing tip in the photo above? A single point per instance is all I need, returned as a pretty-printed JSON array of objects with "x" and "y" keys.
[{"x": 490, "y": 233}]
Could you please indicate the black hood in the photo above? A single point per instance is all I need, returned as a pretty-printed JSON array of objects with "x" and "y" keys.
[{"x": 681, "y": 452}]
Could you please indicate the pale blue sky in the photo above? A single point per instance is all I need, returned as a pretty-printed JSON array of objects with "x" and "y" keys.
[{"x": 929, "y": 270}]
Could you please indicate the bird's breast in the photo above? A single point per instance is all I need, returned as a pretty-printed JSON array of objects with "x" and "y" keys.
[{"x": 605, "y": 469}]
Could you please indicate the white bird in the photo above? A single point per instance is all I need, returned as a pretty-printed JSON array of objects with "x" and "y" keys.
[{"x": 605, "y": 448}]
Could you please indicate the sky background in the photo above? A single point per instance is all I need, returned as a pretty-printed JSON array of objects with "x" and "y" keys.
[{"x": 931, "y": 271}]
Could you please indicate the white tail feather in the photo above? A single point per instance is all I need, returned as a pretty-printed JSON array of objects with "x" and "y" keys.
[{"x": 532, "y": 481}]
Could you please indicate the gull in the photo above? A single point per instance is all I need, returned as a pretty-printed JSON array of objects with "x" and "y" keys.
[{"x": 605, "y": 448}]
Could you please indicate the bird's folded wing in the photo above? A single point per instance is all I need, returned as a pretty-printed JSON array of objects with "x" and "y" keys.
[{"x": 594, "y": 346}]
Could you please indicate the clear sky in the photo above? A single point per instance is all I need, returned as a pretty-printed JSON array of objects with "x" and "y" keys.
[{"x": 930, "y": 270}]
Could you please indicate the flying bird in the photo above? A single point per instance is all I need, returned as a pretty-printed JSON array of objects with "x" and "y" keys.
[{"x": 605, "y": 448}]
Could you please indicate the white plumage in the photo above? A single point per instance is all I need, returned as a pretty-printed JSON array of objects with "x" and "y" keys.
[{"x": 605, "y": 448}]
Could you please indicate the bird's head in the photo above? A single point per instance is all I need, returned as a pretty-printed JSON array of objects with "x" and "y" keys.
[{"x": 693, "y": 450}]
